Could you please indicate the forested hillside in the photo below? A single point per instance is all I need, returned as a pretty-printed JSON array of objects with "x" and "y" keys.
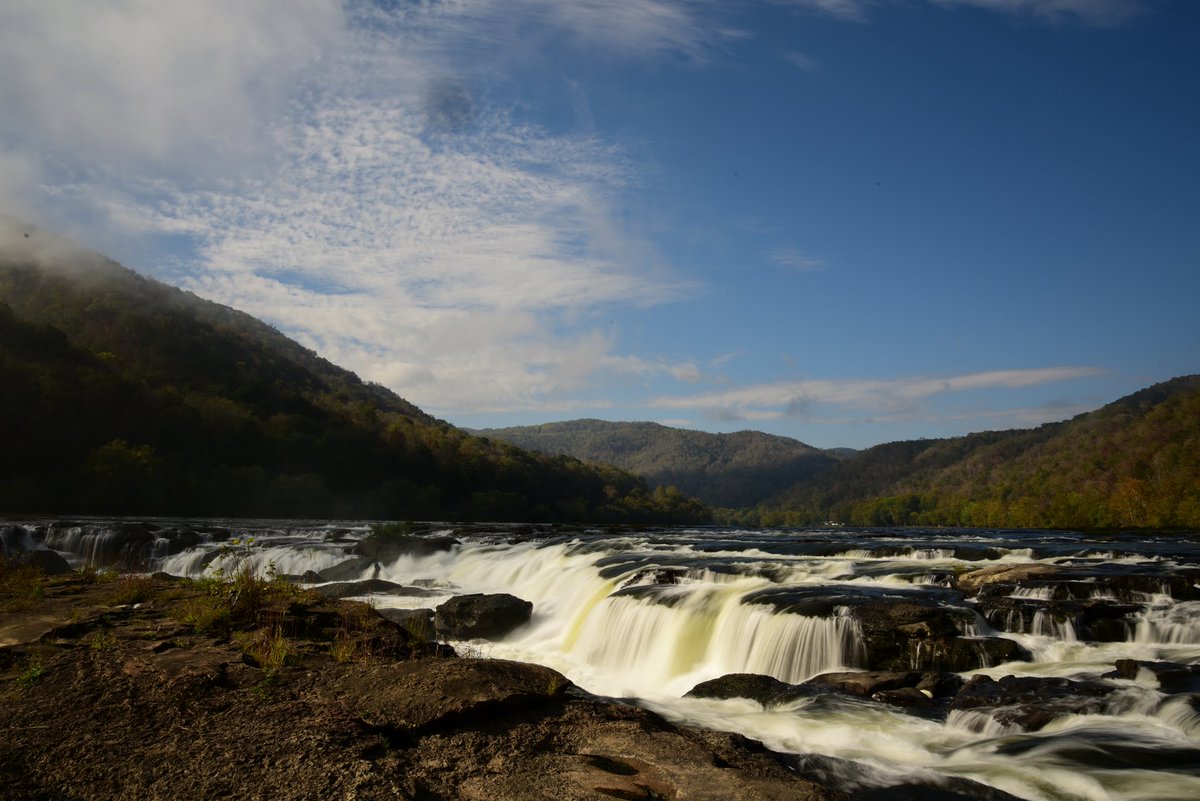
[
  {"x": 1132, "y": 463},
  {"x": 124, "y": 395},
  {"x": 731, "y": 470}
]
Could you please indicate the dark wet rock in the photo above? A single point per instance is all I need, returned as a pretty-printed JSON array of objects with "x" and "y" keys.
[
  {"x": 859, "y": 783},
  {"x": 1109, "y": 750},
  {"x": 51, "y": 563},
  {"x": 352, "y": 569},
  {"x": 465, "y": 617},
  {"x": 387, "y": 548},
  {"x": 1172, "y": 677},
  {"x": 166, "y": 577},
  {"x": 14, "y": 540},
  {"x": 347, "y": 589},
  {"x": 927, "y": 636},
  {"x": 417, "y": 622},
  {"x": 1107, "y": 621},
  {"x": 919, "y": 629},
  {"x": 898, "y": 688},
  {"x": 311, "y": 577},
  {"x": 1030, "y": 702},
  {"x": 766, "y": 690},
  {"x": 927, "y": 684},
  {"x": 657, "y": 575}
]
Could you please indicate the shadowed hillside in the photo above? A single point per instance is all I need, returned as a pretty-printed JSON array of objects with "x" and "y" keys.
[{"x": 124, "y": 395}]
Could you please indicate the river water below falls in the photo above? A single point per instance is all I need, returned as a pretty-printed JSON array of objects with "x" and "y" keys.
[{"x": 649, "y": 614}]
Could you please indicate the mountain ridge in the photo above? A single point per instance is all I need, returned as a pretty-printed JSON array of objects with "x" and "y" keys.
[
  {"x": 737, "y": 469},
  {"x": 126, "y": 395}
]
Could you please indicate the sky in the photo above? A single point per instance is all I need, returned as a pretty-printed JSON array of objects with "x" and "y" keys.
[{"x": 844, "y": 221}]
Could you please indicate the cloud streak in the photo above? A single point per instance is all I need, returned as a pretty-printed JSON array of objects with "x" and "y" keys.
[{"x": 890, "y": 399}]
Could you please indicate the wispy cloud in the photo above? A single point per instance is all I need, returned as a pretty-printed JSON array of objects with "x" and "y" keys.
[
  {"x": 796, "y": 260},
  {"x": 889, "y": 399},
  {"x": 801, "y": 61},
  {"x": 1089, "y": 12},
  {"x": 338, "y": 176},
  {"x": 853, "y": 10}
]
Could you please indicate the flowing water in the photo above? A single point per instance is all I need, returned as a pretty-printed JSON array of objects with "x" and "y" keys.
[{"x": 647, "y": 615}]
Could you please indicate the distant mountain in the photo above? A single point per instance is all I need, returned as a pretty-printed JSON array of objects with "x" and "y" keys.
[
  {"x": 1133, "y": 463},
  {"x": 729, "y": 470},
  {"x": 120, "y": 394}
]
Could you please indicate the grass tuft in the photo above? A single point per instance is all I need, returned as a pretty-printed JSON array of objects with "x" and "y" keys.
[{"x": 132, "y": 588}]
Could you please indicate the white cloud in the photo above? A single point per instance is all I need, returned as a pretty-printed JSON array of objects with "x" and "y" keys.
[
  {"x": 879, "y": 399},
  {"x": 142, "y": 80}
]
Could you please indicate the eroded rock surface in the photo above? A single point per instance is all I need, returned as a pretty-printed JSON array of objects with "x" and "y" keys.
[{"x": 131, "y": 703}]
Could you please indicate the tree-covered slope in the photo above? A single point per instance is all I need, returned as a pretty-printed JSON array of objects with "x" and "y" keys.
[
  {"x": 1132, "y": 463},
  {"x": 730, "y": 470},
  {"x": 124, "y": 395}
]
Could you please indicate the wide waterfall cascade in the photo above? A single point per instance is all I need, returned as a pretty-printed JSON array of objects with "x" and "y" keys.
[{"x": 649, "y": 614}]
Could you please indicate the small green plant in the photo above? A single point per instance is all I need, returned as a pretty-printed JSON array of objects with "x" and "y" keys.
[
  {"x": 352, "y": 642},
  {"x": 90, "y": 574},
  {"x": 269, "y": 648},
  {"x": 103, "y": 641},
  {"x": 206, "y": 614},
  {"x": 132, "y": 588},
  {"x": 236, "y": 595},
  {"x": 31, "y": 674}
]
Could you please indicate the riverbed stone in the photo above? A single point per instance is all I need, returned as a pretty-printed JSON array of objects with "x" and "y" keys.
[
  {"x": 1031, "y": 702},
  {"x": 387, "y": 548},
  {"x": 766, "y": 690},
  {"x": 488, "y": 617}
]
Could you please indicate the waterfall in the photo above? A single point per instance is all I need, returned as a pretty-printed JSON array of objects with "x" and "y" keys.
[
  {"x": 1173, "y": 624},
  {"x": 712, "y": 632},
  {"x": 1049, "y": 624}
]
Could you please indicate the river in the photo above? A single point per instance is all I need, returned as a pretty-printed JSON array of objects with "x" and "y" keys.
[{"x": 648, "y": 614}]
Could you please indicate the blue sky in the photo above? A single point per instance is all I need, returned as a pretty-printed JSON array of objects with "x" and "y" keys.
[{"x": 846, "y": 221}]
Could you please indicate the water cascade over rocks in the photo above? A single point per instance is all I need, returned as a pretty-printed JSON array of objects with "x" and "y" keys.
[{"x": 1046, "y": 665}]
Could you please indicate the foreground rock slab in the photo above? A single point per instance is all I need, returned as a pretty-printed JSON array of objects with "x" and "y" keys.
[{"x": 126, "y": 701}]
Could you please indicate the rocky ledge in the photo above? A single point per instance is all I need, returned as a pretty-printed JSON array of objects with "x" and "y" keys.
[{"x": 148, "y": 687}]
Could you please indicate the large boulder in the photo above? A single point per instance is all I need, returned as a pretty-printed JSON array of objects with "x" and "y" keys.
[
  {"x": 352, "y": 569},
  {"x": 766, "y": 690},
  {"x": 417, "y": 622},
  {"x": 51, "y": 563},
  {"x": 902, "y": 687},
  {"x": 467, "y": 617}
]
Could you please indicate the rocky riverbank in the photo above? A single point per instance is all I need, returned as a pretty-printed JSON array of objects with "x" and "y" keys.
[{"x": 117, "y": 688}]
